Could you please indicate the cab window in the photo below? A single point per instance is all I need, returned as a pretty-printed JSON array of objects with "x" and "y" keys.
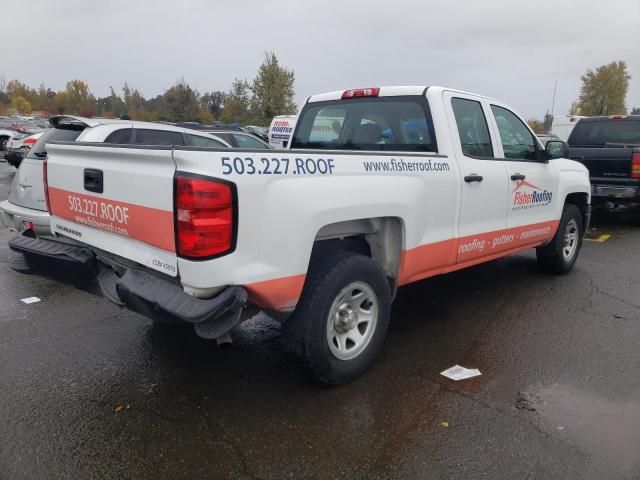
[
  {"x": 394, "y": 123},
  {"x": 472, "y": 128},
  {"x": 517, "y": 140}
]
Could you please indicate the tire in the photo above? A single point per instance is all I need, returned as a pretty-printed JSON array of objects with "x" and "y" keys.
[
  {"x": 342, "y": 317},
  {"x": 3, "y": 143},
  {"x": 559, "y": 255}
]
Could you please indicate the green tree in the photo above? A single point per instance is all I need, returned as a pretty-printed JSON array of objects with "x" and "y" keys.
[
  {"x": 214, "y": 102},
  {"x": 17, "y": 88},
  {"x": 547, "y": 122},
  {"x": 116, "y": 105},
  {"x": 18, "y": 93},
  {"x": 76, "y": 99},
  {"x": 181, "y": 103},
  {"x": 635, "y": 111},
  {"x": 574, "y": 109},
  {"x": 21, "y": 104},
  {"x": 604, "y": 90},
  {"x": 237, "y": 103},
  {"x": 273, "y": 91}
]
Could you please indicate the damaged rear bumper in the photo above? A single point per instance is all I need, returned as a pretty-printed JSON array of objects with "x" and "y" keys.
[{"x": 141, "y": 291}]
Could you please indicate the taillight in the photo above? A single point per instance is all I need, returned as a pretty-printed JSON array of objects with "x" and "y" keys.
[
  {"x": 205, "y": 217},
  {"x": 635, "y": 165},
  {"x": 45, "y": 181},
  {"x": 361, "y": 92}
]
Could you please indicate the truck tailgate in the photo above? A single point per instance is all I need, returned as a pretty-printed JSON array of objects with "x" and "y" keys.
[
  {"x": 612, "y": 162},
  {"x": 119, "y": 200}
]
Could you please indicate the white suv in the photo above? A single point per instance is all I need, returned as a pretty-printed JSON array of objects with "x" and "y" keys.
[{"x": 25, "y": 211}]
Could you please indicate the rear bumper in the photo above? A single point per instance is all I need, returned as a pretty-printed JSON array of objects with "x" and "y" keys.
[
  {"x": 139, "y": 290},
  {"x": 17, "y": 218},
  {"x": 630, "y": 193}
]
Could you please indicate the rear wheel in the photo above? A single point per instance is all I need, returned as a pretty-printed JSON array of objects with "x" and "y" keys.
[
  {"x": 342, "y": 318},
  {"x": 3, "y": 143},
  {"x": 559, "y": 255}
]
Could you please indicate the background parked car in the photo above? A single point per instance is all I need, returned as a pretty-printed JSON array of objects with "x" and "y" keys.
[
  {"x": 610, "y": 148},
  {"x": 12, "y": 127},
  {"x": 5, "y": 136},
  {"x": 262, "y": 132},
  {"x": 25, "y": 211},
  {"x": 19, "y": 146},
  {"x": 236, "y": 137},
  {"x": 240, "y": 139}
]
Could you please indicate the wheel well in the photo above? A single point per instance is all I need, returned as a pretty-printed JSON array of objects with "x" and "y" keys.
[
  {"x": 580, "y": 200},
  {"x": 380, "y": 238}
]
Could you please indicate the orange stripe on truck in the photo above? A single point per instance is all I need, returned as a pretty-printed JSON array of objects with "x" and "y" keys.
[
  {"x": 449, "y": 255},
  {"x": 148, "y": 225},
  {"x": 277, "y": 294},
  {"x": 423, "y": 261}
]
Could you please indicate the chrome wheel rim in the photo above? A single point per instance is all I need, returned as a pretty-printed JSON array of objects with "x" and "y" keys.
[
  {"x": 570, "y": 241},
  {"x": 352, "y": 321}
]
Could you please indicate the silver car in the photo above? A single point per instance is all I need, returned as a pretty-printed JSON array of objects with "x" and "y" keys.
[{"x": 26, "y": 211}]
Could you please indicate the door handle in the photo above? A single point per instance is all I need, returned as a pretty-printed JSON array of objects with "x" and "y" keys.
[
  {"x": 93, "y": 180},
  {"x": 474, "y": 177},
  {"x": 517, "y": 176}
]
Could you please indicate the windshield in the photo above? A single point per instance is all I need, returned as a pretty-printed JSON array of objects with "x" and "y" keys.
[
  {"x": 599, "y": 133},
  {"x": 67, "y": 134},
  {"x": 380, "y": 123}
]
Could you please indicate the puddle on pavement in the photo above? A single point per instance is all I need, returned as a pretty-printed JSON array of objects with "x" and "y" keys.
[{"x": 608, "y": 431}]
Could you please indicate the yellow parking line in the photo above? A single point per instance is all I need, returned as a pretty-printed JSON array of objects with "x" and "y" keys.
[{"x": 599, "y": 239}]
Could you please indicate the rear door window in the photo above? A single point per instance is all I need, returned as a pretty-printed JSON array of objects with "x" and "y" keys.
[
  {"x": 400, "y": 123},
  {"x": 145, "y": 136},
  {"x": 38, "y": 151},
  {"x": 472, "y": 128}
]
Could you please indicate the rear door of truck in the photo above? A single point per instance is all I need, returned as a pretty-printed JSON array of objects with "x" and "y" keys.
[{"x": 117, "y": 200}]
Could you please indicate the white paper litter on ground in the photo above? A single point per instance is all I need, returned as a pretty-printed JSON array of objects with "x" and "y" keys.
[
  {"x": 29, "y": 300},
  {"x": 460, "y": 373}
]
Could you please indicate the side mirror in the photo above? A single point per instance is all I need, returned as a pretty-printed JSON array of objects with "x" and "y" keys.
[{"x": 557, "y": 149}]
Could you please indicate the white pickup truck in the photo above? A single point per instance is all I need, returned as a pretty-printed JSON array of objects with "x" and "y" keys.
[{"x": 405, "y": 183}]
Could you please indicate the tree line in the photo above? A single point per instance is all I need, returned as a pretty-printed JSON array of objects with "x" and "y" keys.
[
  {"x": 603, "y": 92},
  {"x": 255, "y": 102}
]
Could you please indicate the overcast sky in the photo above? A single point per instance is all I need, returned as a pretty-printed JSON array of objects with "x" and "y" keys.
[{"x": 514, "y": 50}]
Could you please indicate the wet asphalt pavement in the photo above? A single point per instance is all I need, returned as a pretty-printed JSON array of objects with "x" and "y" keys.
[{"x": 88, "y": 390}]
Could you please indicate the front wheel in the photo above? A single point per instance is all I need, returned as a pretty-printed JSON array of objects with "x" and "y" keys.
[
  {"x": 559, "y": 255},
  {"x": 3, "y": 143},
  {"x": 342, "y": 318}
]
